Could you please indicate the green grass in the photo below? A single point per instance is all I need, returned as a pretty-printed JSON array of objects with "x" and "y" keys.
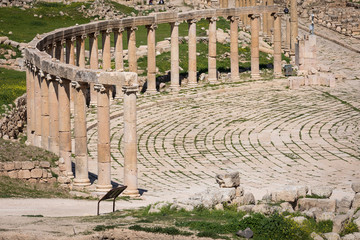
[
  {"x": 12, "y": 85},
  {"x": 164, "y": 230}
]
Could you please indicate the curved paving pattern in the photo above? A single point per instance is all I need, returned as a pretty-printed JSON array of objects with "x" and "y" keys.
[{"x": 272, "y": 135}]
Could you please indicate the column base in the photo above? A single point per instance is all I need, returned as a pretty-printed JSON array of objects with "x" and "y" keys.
[
  {"x": 192, "y": 85},
  {"x": 103, "y": 188},
  {"x": 175, "y": 88},
  {"x": 70, "y": 175},
  {"x": 37, "y": 141},
  {"x": 151, "y": 91},
  {"x": 131, "y": 193},
  {"x": 81, "y": 182},
  {"x": 255, "y": 76},
  {"x": 213, "y": 80},
  {"x": 93, "y": 103}
]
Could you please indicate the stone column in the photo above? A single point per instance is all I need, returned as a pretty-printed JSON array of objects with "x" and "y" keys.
[
  {"x": 64, "y": 124},
  {"x": 37, "y": 108},
  {"x": 247, "y": 19},
  {"x": 33, "y": 111},
  {"x": 54, "y": 117},
  {"x": 45, "y": 119},
  {"x": 130, "y": 140},
  {"x": 59, "y": 51},
  {"x": 106, "y": 49},
  {"x": 212, "y": 51},
  {"x": 288, "y": 34},
  {"x": 29, "y": 103},
  {"x": 277, "y": 45},
  {"x": 192, "y": 77},
  {"x": 94, "y": 63},
  {"x": 234, "y": 49},
  {"x": 265, "y": 20},
  {"x": 104, "y": 161},
  {"x": 270, "y": 18},
  {"x": 255, "y": 71},
  {"x": 175, "y": 85},
  {"x": 119, "y": 60},
  {"x": 301, "y": 43},
  {"x": 70, "y": 50},
  {"x": 294, "y": 25},
  {"x": 132, "y": 49},
  {"x": 151, "y": 60},
  {"x": 226, "y": 3},
  {"x": 81, "y": 156},
  {"x": 80, "y": 51}
]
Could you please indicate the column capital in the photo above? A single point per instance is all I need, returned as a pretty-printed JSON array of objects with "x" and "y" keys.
[
  {"x": 49, "y": 77},
  {"x": 58, "y": 79},
  {"x": 119, "y": 30},
  {"x": 152, "y": 26},
  {"x": 107, "y": 31},
  {"x": 82, "y": 37},
  {"x": 130, "y": 89},
  {"x": 72, "y": 39},
  {"x": 233, "y": 18},
  {"x": 99, "y": 88},
  {"x": 254, "y": 16},
  {"x": 54, "y": 44},
  {"x": 191, "y": 21},
  {"x": 277, "y": 15},
  {"x": 41, "y": 73},
  {"x": 94, "y": 34},
  {"x": 75, "y": 84},
  {"x": 175, "y": 23},
  {"x": 213, "y": 19},
  {"x": 133, "y": 28}
]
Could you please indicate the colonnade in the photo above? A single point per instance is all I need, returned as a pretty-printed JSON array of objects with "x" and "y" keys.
[{"x": 58, "y": 75}]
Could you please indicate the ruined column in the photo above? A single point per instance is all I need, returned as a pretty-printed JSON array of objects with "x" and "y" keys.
[
  {"x": 106, "y": 49},
  {"x": 175, "y": 85},
  {"x": 80, "y": 51},
  {"x": 132, "y": 49},
  {"x": 301, "y": 43},
  {"x": 192, "y": 77},
  {"x": 212, "y": 51},
  {"x": 37, "y": 107},
  {"x": 277, "y": 45},
  {"x": 151, "y": 60},
  {"x": 255, "y": 71},
  {"x": 29, "y": 103},
  {"x": 130, "y": 139},
  {"x": 45, "y": 119},
  {"x": 104, "y": 161},
  {"x": 64, "y": 124},
  {"x": 234, "y": 49},
  {"x": 94, "y": 63},
  {"x": 54, "y": 117},
  {"x": 294, "y": 25},
  {"x": 119, "y": 60},
  {"x": 81, "y": 156}
]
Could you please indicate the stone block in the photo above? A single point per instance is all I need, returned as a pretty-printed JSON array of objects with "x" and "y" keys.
[
  {"x": 339, "y": 222},
  {"x": 299, "y": 219},
  {"x": 356, "y": 187},
  {"x": 305, "y": 204},
  {"x": 332, "y": 236},
  {"x": 45, "y": 164},
  {"x": 245, "y": 208},
  {"x": 357, "y": 222},
  {"x": 285, "y": 206},
  {"x": 228, "y": 180},
  {"x": 25, "y": 174},
  {"x": 315, "y": 236},
  {"x": 36, "y": 173},
  {"x": 27, "y": 165},
  {"x": 322, "y": 191},
  {"x": 343, "y": 205},
  {"x": 17, "y": 165},
  {"x": 356, "y": 201},
  {"x": 284, "y": 196},
  {"x": 323, "y": 216},
  {"x": 32, "y": 180},
  {"x": 12, "y": 174},
  {"x": 313, "y": 80},
  {"x": 9, "y": 166},
  {"x": 44, "y": 173},
  {"x": 262, "y": 208}
]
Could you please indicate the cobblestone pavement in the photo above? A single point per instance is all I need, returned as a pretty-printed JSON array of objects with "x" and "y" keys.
[{"x": 272, "y": 135}]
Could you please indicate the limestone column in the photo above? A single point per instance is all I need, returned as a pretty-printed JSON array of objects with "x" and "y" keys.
[
  {"x": 192, "y": 77},
  {"x": 29, "y": 103},
  {"x": 175, "y": 81},
  {"x": 94, "y": 63},
  {"x": 226, "y": 3},
  {"x": 255, "y": 71},
  {"x": 130, "y": 141},
  {"x": 151, "y": 60},
  {"x": 270, "y": 18},
  {"x": 70, "y": 51},
  {"x": 45, "y": 119},
  {"x": 106, "y": 49},
  {"x": 265, "y": 20},
  {"x": 212, "y": 51},
  {"x": 103, "y": 147},
  {"x": 288, "y": 34},
  {"x": 54, "y": 117},
  {"x": 234, "y": 49},
  {"x": 37, "y": 108},
  {"x": 59, "y": 51},
  {"x": 277, "y": 44},
  {"x": 119, "y": 60},
  {"x": 64, "y": 124},
  {"x": 294, "y": 25},
  {"x": 301, "y": 55},
  {"x": 247, "y": 19},
  {"x": 33, "y": 111},
  {"x": 53, "y": 50},
  {"x": 132, "y": 49},
  {"x": 81, "y": 156},
  {"x": 80, "y": 51}
]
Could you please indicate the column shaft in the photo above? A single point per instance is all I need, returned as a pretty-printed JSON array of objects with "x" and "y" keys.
[
  {"x": 33, "y": 103},
  {"x": 119, "y": 60},
  {"x": 64, "y": 125},
  {"x": 151, "y": 60},
  {"x": 45, "y": 119},
  {"x": 234, "y": 49},
  {"x": 294, "y": 24},
  {"x": 59, "y": 50},
  {"x": 94, "y": 63},
  {"x": 81, "y": 156},
  {"x": 192, "y": 77},
  {"x": 37, "y": 109},
  {"x": 277, "y": 45},
  {"x": 70, "y": 51},
  {"x": 104, "y": 161},
  {"x": 54, "y": 117},
  {"x": 255, "y": 71},
  {"x": 175, "y": 85},
  {"x": 270, "y": 18},
  {"x": 265, "y": 20},
  {"x": 288, "y": 34},
  {"x": 29, "y": 104},
  {"x": 212, "y": 51},
  {"x": 80, "y": 51},
  {"x": 132, "y": 49},
  {"x": 106, "y": 51}
]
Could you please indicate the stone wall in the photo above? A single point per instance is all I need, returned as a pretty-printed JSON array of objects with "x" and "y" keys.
[
  {"x": 32, "y": 171},
  {"x": 13, "y": 122}
]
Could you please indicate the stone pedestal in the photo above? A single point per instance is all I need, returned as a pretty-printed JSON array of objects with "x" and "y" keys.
[
  {"x": 277, "y": 45},
  {"x": 106, "y": 44},
  {"x": 212, "y": 51},
  {"x": 94, "y": 63},
  {"x": 132, "y": 49},
  {"x": 45, "y": 119},
  {"x": 175, "y": 85},
  {"x": 192, "y": 77},
  {"x": 104, "y": 160},
  {"x": 54, "y": 117},
  {"x": 130, "y": 141},
  {"x": 255, "y": 70},
  {"x": 64, "y": 125},
  {"x": 234, "y": 49},
  {"x": 151, "y": 60}
]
